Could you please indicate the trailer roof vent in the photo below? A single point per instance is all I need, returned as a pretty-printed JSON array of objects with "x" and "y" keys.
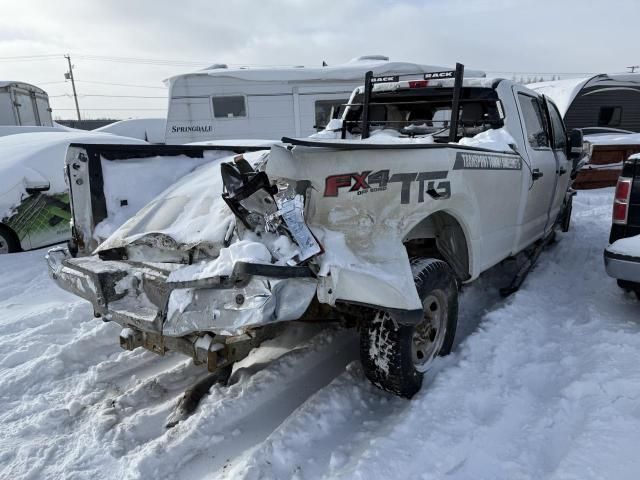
[
  {"x": 369, "y": 58},
  {"x": 215, "y": 66}
]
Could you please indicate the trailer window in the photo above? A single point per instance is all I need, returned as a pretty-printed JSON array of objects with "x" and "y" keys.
[
  {"x": 229, "y": 107},
  {"x": 325, "y": 110},
  {"x": 610, "y": 117},
  {"x": 534, "y": 121}
]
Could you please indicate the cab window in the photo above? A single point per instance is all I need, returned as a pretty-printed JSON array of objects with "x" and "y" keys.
[
  {"x": 557, "y": 126},
  {"x": 534, "y": 123}
]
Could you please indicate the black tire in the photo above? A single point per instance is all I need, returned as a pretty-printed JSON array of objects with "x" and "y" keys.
[
  {"x": 630, "y": 287},
  {"x": 8, "y": 241},
  {"x": 390, "y": 353},
  {"x": 566, "y": 217}
]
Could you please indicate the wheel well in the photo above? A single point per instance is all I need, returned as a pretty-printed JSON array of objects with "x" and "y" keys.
[
  {"x": 13, "y": 234},
  {"x": 440, "y": 235}
]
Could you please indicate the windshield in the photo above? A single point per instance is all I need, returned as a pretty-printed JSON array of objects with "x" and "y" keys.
[{"x": 426, "y": 111}]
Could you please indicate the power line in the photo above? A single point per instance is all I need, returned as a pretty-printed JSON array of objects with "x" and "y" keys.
[
  {"x": 111, "y": 109},
  {"x": 82, "y": 95},
  {"x": 120, "y": 84}
]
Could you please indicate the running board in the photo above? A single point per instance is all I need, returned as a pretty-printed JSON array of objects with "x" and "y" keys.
[{"x": 528, "y": 265}]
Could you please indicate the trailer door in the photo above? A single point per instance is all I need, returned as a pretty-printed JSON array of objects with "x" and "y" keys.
[
  {"x": 44, "y": 110},
  {"x": 25, "y": 107}
]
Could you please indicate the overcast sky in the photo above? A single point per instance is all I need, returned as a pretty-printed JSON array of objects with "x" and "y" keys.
[{"x": 502, "y": 37}]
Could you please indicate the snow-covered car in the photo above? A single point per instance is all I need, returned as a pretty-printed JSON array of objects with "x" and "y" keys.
[
  {"x": 420, "y": 186},
  {"x": 622, "y": 256},
  {"x": 34, "y": 200}
]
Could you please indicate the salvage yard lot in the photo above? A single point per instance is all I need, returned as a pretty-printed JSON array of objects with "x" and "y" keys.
[{"x": 544, "y": 384}]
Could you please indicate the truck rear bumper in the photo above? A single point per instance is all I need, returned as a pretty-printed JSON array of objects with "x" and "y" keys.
[
  {"x": 622, "y": 267},
  {"x": 140, "y": 297}
]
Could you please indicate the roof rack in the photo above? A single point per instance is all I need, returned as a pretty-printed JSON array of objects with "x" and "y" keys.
[{"x": 457, "y": 75}]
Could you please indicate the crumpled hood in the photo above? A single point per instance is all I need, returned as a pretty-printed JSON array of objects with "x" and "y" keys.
[{"x": 190, "y": 213}]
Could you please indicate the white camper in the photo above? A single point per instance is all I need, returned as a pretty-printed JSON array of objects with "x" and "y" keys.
[
  {"x": 22, "y": 104},
  {"x": 220, "y": 103}
]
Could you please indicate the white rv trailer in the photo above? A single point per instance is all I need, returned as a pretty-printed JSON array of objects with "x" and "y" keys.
[
  {"x": 220, "y": 103},
  {"x": 22, "y": 104}
]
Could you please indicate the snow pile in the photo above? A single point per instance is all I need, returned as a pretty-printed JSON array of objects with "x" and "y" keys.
[
  {"x": 150, "y": 130},
  {"x": 389, "y": 135},
  {"x": 626, "y": 246},
  {"x": 543, "y": 385},
  {"x": 190, "y": 211},
  {"x": 122, "y": 182},
  {"x": 497, "y": 139}
]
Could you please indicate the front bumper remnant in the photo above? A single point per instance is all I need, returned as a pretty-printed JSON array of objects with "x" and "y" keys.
[{"x": 201, "y": 318}]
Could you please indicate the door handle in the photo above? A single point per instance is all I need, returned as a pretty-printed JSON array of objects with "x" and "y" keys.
[
  {"x": 536, "y": 174},
  {"x": 562, "y": 171}
]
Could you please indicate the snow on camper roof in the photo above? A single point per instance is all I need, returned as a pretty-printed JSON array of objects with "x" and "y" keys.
[
  {"x": 353, "y": 70},
  {"x": 16, "y": 83},
  {"x": 564, "y": 92}
]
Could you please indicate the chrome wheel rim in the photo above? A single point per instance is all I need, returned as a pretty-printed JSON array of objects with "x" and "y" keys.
[{"x": 428, "y": 335}]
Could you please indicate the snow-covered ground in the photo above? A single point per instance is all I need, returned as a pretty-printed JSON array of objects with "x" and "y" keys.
[{"x": 545, "y": 384}]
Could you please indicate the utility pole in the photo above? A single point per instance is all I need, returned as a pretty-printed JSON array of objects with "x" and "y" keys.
[
  {"x": 69, "y": 76},
  {"x": 633, "y": 68}
]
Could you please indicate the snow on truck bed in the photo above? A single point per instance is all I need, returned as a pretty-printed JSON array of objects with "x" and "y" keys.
[{"x": 545, "y": 384}]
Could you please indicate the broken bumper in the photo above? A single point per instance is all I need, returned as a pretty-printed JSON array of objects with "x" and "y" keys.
[{"x": 139, "y": 296}]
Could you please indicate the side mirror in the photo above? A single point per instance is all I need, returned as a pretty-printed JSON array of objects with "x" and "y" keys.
[
  {"x": 575, "y": 150},
  {"x": 33, "y": 187}
]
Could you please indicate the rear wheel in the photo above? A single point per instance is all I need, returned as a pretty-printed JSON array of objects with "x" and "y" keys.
[
  {"x": 395, "y": 357},
  {"x": 8, "y": 241},
  {"x": 566, "y": 216},
  {"x": 630, "y": 287}
]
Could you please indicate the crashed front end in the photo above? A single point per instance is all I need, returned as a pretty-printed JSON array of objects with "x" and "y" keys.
[
  {"x": 214, "y": 320},
  {"x": 216, "y": 262},
  {"x": 214, "y": 302}
]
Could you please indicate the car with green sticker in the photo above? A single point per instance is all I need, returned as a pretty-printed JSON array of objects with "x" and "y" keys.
[{"x": 34, "y": 200}]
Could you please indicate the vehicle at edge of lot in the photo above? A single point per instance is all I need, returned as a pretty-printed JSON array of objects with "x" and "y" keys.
[
  {"x": 622, "y": 256},
  {"x": 34, "y": 199}
]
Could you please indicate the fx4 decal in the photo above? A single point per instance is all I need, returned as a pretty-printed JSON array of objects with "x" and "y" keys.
[{"x": 368, "y": 182}]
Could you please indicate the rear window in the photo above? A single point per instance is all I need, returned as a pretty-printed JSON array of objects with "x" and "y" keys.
[
  {"x": 229, "y": 107},
  {"x": 427, "y": 112},
  {"x": 325, "y": 110}
]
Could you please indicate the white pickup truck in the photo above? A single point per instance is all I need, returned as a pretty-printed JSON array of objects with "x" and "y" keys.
[{"x": 421, "y": 185}]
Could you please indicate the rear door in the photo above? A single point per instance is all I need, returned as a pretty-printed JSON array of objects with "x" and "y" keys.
[
  {"x": 44, "y": 110},
  {"x": 559, "y": 147},
  {"x": 25, "y": 106},
  {"x": 541, "y": 165}
]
